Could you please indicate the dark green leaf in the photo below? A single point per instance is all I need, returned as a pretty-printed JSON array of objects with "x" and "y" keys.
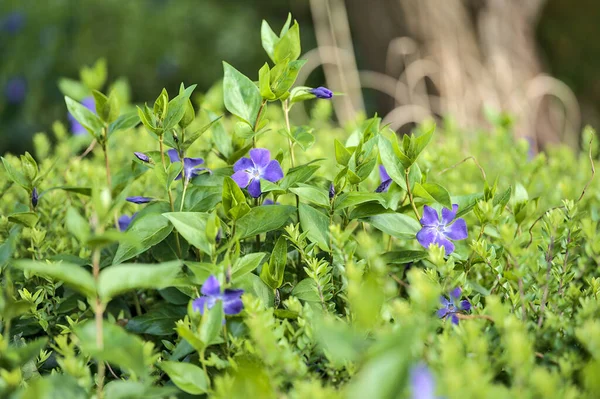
[
  {"x": 74, "y": 276},
  {"x": 246, "y": 264},
  {"x": 316, "y": 224},
  {"x": 149, "y": 230},
  {"x": 395, "y": 224},
  {"x": 186, "y": 376},
  {"x": 263, "y": 219},
  {"x": 158, "y": 321},
  {"x": 192, "y": 227}
]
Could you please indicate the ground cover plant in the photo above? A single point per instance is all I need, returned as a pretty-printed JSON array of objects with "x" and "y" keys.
[{"x": 213, "y": 247}]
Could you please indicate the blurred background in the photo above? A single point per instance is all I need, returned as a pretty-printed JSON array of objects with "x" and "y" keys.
[{"x": 534, "y": 64}]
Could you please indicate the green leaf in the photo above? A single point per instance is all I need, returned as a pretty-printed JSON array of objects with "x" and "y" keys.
[
  {"x": 269, "y": 39},
  {"x": 118, "y": 279},
  {"x": 264, "y": 82},
  {"x": 283, "y": 81},
  {"x": 16, "y": 175},
  {"x": 392, "y": 164},
  {"x": 149, "y": 230},
  {"x": 433, "y": 192},
  {"x": 466, "y": 202},
  {"x": 503, "y": 198},
  {"x": 288, "y": 46},
  {"x": 299, "y": 174},
  {"x": 312, "y": 194},
  {"x": 73, "y": 275},
  {"x": 89, "y": 120},
  {"x": 220, "y": 137},
  {"x": 272, "y": 273},
  {"x": 419, "y": 143},
  {"x": 186, "y": 376},
  {"x": 53, "y": 387},
  {"x": 192, "y": 227},
  {"x": 177, "y": 107},
  {"x": 306, "y": 290},
  {"x": 202, "y": 198},
  {"x": 342, "y": 155},
  {"x": 241, "y": 96},
  {"x": 77, "y": 225},
  {"x": 246, "y": 264},
  {"x": 119, "y": 347},
  {"x": 315, "y": 224},
  {"x": 119, "y": 389},
  {"x": 252, "y": 284},
  {"x": 212, "y": 322},
  {"x": 158, "y": 321},
  {"x": 356, "y": 198},
  {"x": 404, "y": 257},
  {"x": 263, "y": 219},
  {"x": 124, "y": 122},
  {"x": 27, "y": 219},
  {"x": 397, "y": 225},
  {"x": 234, "y": 200}
]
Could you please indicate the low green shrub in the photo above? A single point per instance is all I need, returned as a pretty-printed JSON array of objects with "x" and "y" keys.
[{"x": 286, "y": 262}]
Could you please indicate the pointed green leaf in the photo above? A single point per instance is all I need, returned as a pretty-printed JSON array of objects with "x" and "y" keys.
[
  {"x": 75, "y": 276},
  {"x": 242, "y": 97}
]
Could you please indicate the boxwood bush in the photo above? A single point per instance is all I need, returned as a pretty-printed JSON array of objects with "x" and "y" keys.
[{"x": 180, "y": 249}]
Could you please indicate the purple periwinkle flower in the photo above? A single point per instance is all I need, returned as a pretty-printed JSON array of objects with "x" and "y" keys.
[
  {"x": 15, "y": 90},
  {"x": 422, "y": 384},
  {"x": 139, "y": 200},
  {"x": 13, "y": 22},
  {"x": 440, "y": 232},
  {"x": 322, "y": 92},
  {"x": 125, "y": 221},
  {"x": 269, "y": 201},
  {"x": 190, "y": 165},
  {"x": 331, "y": 191},
  {"x": 250, "y": 171},
  {"x": 386, "y": 181},
  {"x": 34, "y": 197},
  {"x": 142, "y": 157},
  {"x": 452, "y": 305},
  {"x": 76, "y": 127},
  {"x": 211, "y": 293}
]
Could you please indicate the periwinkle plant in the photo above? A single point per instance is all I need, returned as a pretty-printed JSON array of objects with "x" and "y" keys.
[{"x": 209, "y": 290}]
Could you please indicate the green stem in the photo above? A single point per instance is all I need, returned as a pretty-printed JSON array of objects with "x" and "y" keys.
[
  {"x": 260, "y": 111},
  {"x": 185, "y": 186},
  {"x": 286, "y": 114},
  {"x": 98, "y": 313},
  {"x": 171, "y": 201},
  {"x": 410, "y": 196}
]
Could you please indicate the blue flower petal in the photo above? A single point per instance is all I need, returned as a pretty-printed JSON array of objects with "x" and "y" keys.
[
  {"x": 456, "y": 293},
  {"x": 242, "y": 178},
  {"x": 449, "y": 215},
  {"x": 211, "y": 286},
  {"x": 254, "y": 188},
  {"x": 173, "y": 155},
  {"x": 457, "y": 230},
  {"x": 421, "y": 383},
  {"x": 260, "y": 157},
  {"x": 427, "y": 236},
  {"x": 272, "y": 172},
  {"x": 243, "y": 164},
  {"x": 430, "y": 217}
]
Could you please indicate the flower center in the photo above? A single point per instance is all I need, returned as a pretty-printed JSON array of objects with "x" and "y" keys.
[{"x": 255, "y": 173}]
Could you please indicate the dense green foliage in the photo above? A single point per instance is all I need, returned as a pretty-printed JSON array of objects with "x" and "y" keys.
[{"x": 340, "y": 299}]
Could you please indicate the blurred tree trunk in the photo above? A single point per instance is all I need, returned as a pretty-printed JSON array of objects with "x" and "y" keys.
[{"x": 470, "y": 54}]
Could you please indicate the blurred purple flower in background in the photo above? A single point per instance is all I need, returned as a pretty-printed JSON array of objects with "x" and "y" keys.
[
  {"x": 386, "y": 181},
  {"x": 211, "y": 293},
  {"x": 331, "y": 191},
  {"x": 250, "y": 171},
  {"x": 13, "y": 22},
  {"x": 440, "y": 232},
  {"x": 125, "y": 221},
  {"x": 142, "y": 157},
  {"x": 15, "y": 90},
  {"x": 190, "y": 165},
  {"x": 139, "y": 200},
  {"x": 451, "y": 305},
  {"x": 76, "y": 127},
  {"x": 422, "y": 384}
]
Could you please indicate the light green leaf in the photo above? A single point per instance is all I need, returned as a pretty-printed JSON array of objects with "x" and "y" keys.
[
  {"x": 433, "y": 192},
  {"x": 312, "y": 194},
  {"x": 118, "y": 279},
  {"x": 192, "y": 227},
  {"x": 75, "y": 276},
  {"x": 397, "y": 225},
  {"x": 246, "y": 264},
  {"x": 27, "y": 219},
  {"x": 263, "y": 219},
  {"x": 288, "y": 46},
  {"x": 89, "y": 120},
  {"x": 177, "y": 107},
  {"x": 306, "y": 290},
  {"x": 186, "y": 376},
  {"x": 212, "y": 322},
  {"x": 316, "y": 224},
  {"x": 241, "y": 96},
  {"x": 119, "y": 347},
  {"x": 149, "y": 230},
  {"x": 392, "y": 164},
  {"x": 269, "y": 39}
]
